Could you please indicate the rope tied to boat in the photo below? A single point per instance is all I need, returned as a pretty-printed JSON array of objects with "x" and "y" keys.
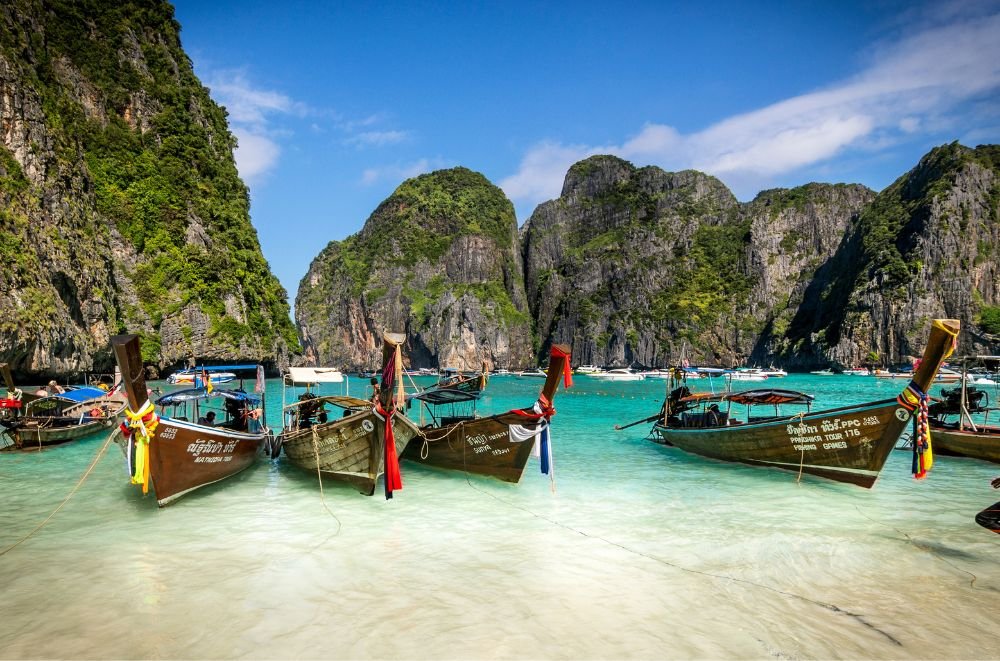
[
  {"x": 141, "y": 424},
  {"x": 914, "y": 400}
]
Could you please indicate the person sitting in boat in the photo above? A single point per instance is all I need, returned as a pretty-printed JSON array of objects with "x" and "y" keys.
[
  {"x": 375, "y": 389},
  {"x": 308, "y": 407},
  {"x": 208, "y": 420},
  {"x": 674, "y": 405},
  {"x": 54, "y": 388},
  {"x": 713, "y": 418},
  {"x": 237, "y": 411}
]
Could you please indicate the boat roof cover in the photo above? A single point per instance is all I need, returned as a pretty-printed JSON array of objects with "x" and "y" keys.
[
  {"x": 441, "y": 396},
  {"x": 770, "y": 396},
  {"x": 315, "y": 375},
  {"x": 191, "y": 394},
  {"x": 83, "y": 393},
  {"x": 78, "y": 394},
  {"x": 216, "y": 368},
  {"x": 343, "y": 401}
]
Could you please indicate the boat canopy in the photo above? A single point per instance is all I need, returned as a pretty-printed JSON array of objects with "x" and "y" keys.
[
  {"x": 769, "y": 396},
  {"x": 441, "y": 396},
  {"x": 192, "y": 394},
  {"x": 82, "y": 394},
  {"x": 216, "y": 368},
  {"x": 308, "y": 375},
  {"x": 343, "y": 401}
]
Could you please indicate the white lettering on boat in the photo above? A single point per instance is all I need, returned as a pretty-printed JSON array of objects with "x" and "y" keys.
[
  {"x": 202, "y": 446},
  {"x": 830, "y": 434},
  {"x": 481, "y": 442}
]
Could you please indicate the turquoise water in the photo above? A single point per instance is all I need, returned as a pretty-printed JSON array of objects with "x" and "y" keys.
[{"x": 640, "y": 551}]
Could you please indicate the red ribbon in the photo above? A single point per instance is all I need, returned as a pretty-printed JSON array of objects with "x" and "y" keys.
[
  {"x": 567, "y": 370},
  {"x": 393, "y": 478}
]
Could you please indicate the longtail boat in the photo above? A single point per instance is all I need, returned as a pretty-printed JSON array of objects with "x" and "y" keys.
[
  {"x": 964, "y": 437},
  {"x": 65, "y": 417},
  {"x": 178, "y": 453},
  {"x": 363, "y": 444},
  {"x": 498, "y": 445},
  {"x": 11, "y": 407},
  {"x": 473, "y": 384},
  {"x": 848, "y": 444}
]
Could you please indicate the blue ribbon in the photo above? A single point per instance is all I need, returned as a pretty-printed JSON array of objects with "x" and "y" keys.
[{"x": 545, "y": 450}]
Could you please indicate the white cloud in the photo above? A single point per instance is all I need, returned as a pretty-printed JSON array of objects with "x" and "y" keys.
[
  {"x": 251, "y": 116},
  {"x": 398, "y": 172},
  {"x": 255, "y": 155},
  {"x": 909, "y": 87},
  {"x": 377, "y": 138}
]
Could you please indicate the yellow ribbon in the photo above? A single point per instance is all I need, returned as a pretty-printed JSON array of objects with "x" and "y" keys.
[{"x": 143, "y": 432}]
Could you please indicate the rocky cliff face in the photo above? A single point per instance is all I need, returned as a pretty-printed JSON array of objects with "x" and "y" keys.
[
  {"x": 794, "y": 235},
  {"x": 641, "y": 266},
  {"x": 120, "y": 205},
  {"x": 926, "y": 247},
  {"x": 627, "y": 265},
  {"x": 437, "y": 260}
]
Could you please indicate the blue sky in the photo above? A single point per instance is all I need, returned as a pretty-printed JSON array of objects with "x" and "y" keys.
[{"x": 335, "y": 104}]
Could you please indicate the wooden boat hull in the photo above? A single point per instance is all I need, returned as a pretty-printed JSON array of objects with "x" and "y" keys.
[
  {"x": 483, "y": 446},
  {"x": 848, "y": 444},
  {"x": 39, "y": 431},
  {"x": 184, "y": 456},
  {"x": 350, "y": 450},
  {"x": 982, "y": 444}
]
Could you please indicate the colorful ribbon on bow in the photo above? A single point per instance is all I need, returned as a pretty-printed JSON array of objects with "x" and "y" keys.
[
  {"x": 916, "y": 401},
  {"x": 567, "y": 370},
  {"x": 142, "y": 425}
]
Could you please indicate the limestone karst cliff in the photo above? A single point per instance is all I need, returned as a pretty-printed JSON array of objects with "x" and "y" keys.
[
  {"x": 437, "y": 260},
  {"x": 927, "y": 246},
  {"x": 120, "y": 205},
  {"x": 641, "y": 266}
]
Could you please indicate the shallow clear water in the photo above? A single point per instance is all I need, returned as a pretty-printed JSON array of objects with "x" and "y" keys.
[{"x": 641, "y": 551}]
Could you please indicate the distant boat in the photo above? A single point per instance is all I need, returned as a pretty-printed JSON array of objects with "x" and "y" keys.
[
  {"x": 64, "y": 417},
  {"x": 774, "y": 372},
  {"x": 217, "y": 374},
  {"x": 619, "y": 374},
  {"x": 453, "y": 379},
  {"x": 588, "y": 369},
  {"x": 847, "y": 444},
  {"x": 497, "y": 445},
  {"x": 535, "y": 373},
  {"x": 826, "y": 372},
  {"x": 751, "y": 374},
  {"x": 858, "y": 371},
  {"x": 176, "y": 454},
  {"x": 657, "y": 374}
]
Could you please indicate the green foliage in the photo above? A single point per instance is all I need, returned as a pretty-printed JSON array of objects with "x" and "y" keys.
[
  {"x": 12, "y": 179},
  {"x": 989, "y": 319},
  {"x": 157, "y": 165},
  {"x": 713, "y": 282}
]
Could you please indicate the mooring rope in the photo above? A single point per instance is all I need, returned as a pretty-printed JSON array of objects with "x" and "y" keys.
[
  {"x": 319, "y": 476},
  {"x": 86, "y": 473}
]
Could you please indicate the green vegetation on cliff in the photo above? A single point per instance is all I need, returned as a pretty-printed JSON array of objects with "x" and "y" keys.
[{"x": 159, "y": 154}]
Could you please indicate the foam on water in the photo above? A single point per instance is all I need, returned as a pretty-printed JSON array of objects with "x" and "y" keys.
[{"x": 642, "y": 551}]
